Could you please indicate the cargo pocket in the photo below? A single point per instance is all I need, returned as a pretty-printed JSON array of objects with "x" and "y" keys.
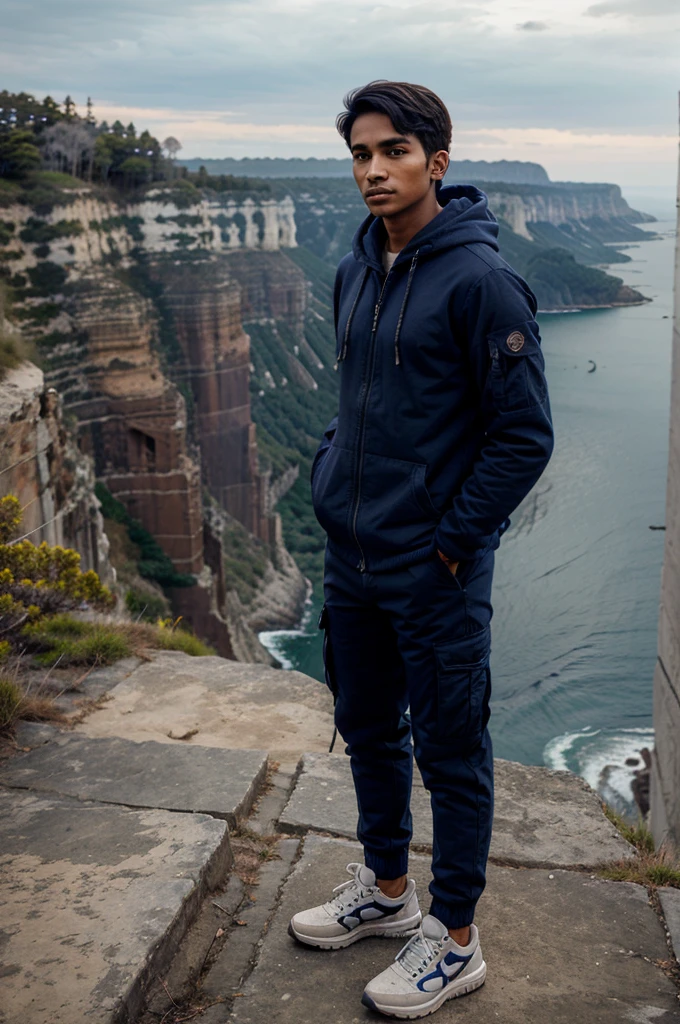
[
  {"x": 516, "y": 374},
  {"x": 463, "y": 678},
  {"x": 329, "y": 668}
]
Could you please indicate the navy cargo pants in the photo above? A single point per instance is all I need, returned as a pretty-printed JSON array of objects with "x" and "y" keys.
[{"x": 417, "y": 637}]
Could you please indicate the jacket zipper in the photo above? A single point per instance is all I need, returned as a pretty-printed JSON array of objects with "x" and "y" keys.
[{"x": 362, "y": 420}]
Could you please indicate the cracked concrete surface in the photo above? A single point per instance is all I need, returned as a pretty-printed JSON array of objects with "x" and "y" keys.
[{"x": 93, "y": 898}]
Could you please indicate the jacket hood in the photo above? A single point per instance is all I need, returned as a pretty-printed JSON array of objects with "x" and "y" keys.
[{"x": 466, "y": 218}]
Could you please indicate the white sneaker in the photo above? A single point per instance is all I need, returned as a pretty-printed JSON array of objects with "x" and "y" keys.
[
  {"x": 360, "y": 909},
  {"x": 430, "y": 969}
]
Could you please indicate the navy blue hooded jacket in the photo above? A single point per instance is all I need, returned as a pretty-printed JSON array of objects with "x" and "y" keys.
[{"x": 444, "y": 421}]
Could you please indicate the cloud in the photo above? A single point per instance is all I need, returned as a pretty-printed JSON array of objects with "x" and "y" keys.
[
  {"x": 267, "y": 77},
  {"x": 634, "y": 8}
]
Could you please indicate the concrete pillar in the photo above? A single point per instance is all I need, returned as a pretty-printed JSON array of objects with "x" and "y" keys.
[{"x": 665, "y": 776}]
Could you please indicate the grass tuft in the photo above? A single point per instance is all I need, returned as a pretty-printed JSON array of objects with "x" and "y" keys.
[
  {"x": 650, "y": 867},
  {"x": 66, "y": 640},
  {"x": 10, "y": 701},
  {"x": 637, "y": 835},
  {"x": 17, "y": 703},
  {"x": 102, "y": 646}
]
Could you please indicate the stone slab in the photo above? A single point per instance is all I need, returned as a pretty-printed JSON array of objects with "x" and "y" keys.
[
  {"x": 670, "y": 904},
  {"x": 542, "y": 818},
  {"x": 28, "y": 735},
  {"x": 561, "y": 948},
  {"x": 233, "y": 962},
  {"x": 223, "y": 783},
  {"x": 95, "y": 900},
  {"x": 229, "y": 704}
]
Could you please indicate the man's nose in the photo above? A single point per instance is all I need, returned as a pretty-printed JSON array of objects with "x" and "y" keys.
[{"x": 376, "y": 169}]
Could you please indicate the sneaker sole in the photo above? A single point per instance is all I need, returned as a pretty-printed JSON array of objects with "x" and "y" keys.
[
  {"x": 399, "y": 930},
  {"x": 452, "y": 991}
]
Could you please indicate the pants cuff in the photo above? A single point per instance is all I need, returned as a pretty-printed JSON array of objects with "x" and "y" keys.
[
  {"x": 456, "y": 916},
  {"x": 387, "y": 868}
]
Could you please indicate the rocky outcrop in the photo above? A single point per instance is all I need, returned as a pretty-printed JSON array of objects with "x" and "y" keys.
[
  {"x": 89, "y": 232},
  {"x": 560, "y": 204},
  {"x": 272, "y": 288},
  {"x": 201, "y": 304},
  {"x": 131, "y": 418},
  {"x": 41, "y": 465},
  {"x": 143, "y": 335}
]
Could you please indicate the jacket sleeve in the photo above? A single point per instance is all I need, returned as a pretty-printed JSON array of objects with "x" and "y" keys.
[
  {"x": 507, "y": 366},
  {"x": 332, "y": 426}
]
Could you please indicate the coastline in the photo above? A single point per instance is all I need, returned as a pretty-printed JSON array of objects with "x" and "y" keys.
[{"x": 604, "y": 305}]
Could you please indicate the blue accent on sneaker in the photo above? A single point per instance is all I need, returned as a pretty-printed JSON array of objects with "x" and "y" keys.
[
  {"x": 449, "y": 960},
  {"x": 367, "y": 1001},
  {"x": 354, "y": 918}
]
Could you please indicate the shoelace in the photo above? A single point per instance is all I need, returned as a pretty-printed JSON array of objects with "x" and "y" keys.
[
  {"x": 340, "y": 903},
  {"x": 417, "y": 953}
]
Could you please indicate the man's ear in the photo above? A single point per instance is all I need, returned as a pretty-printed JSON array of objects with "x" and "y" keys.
[{"x": 439, "y": 165}]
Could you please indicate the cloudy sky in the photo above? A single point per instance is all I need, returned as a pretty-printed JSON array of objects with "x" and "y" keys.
[{"x": 588, "y": 89}]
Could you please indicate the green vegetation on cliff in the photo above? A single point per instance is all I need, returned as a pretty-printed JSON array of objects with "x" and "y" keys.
[
  {"x": 153, "y": 563},
  {"x": 292, "y": 411}
]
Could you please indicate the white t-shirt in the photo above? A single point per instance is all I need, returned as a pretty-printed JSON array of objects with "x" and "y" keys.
[{"x": 388, "y": 259}]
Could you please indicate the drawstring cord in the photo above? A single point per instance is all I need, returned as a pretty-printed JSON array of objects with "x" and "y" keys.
[
  {"x": 403, "y": 307},
  {"x": 345, "y": 340}
]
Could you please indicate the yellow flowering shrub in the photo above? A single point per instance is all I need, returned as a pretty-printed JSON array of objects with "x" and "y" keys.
[{"x": 39, "y": 580}]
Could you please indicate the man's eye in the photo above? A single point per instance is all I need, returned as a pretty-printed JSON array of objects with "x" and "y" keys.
[{"x": 397, "y": 150}]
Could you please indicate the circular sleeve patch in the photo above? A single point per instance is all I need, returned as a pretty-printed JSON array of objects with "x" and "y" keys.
[{"x": 515, "y": 341}]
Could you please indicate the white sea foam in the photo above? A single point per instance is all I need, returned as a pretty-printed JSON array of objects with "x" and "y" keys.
[
  {"x": 557, "y": 749},
  {"x": 271, "y": 641},
  {"x": 599, "y": 756}
]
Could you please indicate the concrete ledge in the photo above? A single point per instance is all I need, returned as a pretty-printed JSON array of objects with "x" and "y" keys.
[
  {"x": 670, "y": 904},
  {"x": 222, "y": 703},
  {"x": 543, "y": 818},
  {"x": 175, "y": 777},
  {"x": 95, "y": 901},
  {"x": 561, "y": 948}
]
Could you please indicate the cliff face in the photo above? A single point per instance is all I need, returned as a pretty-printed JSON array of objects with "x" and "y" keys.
[
  {"x": 201, "y": 303},
  {"x": 559, "y": 204},
  {"x": 89, "y": 232},
  {"x": 578, "y": 217},
  {"x": 40, "y": 464},
  {"x": 139, "y": 318}
]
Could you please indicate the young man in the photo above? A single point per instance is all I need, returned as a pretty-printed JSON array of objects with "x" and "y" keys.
[{"x": 444, "y": 426}]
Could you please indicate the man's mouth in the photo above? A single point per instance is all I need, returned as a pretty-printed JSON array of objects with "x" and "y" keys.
[{"x": 378, "y": 192}]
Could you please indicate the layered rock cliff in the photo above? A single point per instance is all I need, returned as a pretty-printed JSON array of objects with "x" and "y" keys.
[
  {"x": 559, "y": 204},
  {"x": 41, "y": 465},
  {"x": 138, "y": 317}
]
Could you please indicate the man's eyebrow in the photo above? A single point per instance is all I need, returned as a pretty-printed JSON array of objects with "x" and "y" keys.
[{"x": 385, "y": 144}]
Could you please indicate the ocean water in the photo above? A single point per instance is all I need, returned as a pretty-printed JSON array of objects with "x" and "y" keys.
[{"x": 576, "y": 589}]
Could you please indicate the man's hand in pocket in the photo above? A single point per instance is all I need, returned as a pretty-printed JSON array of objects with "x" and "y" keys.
[{"x": 451, "y": 566}]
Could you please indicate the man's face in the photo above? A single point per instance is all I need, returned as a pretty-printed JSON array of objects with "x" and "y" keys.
[{"x": 391, "y": 169}]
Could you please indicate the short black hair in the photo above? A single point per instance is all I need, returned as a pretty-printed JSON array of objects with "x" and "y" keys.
[{"x": 412, "y": 109}]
